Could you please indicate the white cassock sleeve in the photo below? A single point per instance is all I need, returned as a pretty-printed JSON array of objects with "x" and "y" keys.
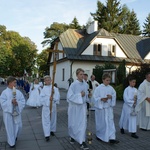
[
  {"x": 141, "y": 96},
  {"x": 97, "y": 98},
  {"x": 45, "y": 96},
  {"x": 56, "y": 97},
  {"x": 21, "y": 101},
  {"x": 127, "y": 98},
  {"x": 6, "y": 103},
  {"x": 113, "y": 100},
  {"x": 74, "y": 97}
]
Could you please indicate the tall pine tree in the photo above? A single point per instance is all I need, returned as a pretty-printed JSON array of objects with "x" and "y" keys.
[
  {"x": 133, "y": 26},
  {"x": 75, "y": 24},
  {"x": 146, "y": 27},
  {"x": 110, "y": 16}
]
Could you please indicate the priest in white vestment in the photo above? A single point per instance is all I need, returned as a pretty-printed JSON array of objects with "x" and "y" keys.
[
  {"x": 77, "y": 119},
  {"x": 13, "y": 124},
  {"x": 143, "y": 104},
  {"x": 105, "y": 100},
  {"x": 49, "y": 120},
  {"x": 128, "y": 119}
]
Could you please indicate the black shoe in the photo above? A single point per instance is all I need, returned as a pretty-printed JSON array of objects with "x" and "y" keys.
[
  {"x": 122, "y": 131},
  {"x": 47, "y": 138},
  {"x": 83, "y": 146},
  {"x": 12, "y": 146},
  {"x": 113, "y": 141},
  {"x": 52, "y": 134},
  {"x": 134, "y": 135},
  {"x": 98, "y": 139},
  {"x": 143, "y": 129},
  {"x": 72, "y": 141}
]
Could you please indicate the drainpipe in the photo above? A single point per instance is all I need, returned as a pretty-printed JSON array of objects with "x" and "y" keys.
[{"x": 71, "y": 69}]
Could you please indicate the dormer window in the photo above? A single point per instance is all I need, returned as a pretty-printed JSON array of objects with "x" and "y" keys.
[
  {"x": 111, "y": 50},
  {"x": 97, "y": 49}
]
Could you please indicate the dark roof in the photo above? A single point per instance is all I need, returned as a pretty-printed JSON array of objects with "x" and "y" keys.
[
  {"x": 143, "y": 47},
  {"x": 74, "y": 42},
  {"x": 103, "y": 58}
]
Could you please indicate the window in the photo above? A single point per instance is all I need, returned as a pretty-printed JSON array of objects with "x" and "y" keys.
[
  {"x": 63, "y": 74},
  {"x": 111, "y": 50},
  {"x": 97, "y": 49}
]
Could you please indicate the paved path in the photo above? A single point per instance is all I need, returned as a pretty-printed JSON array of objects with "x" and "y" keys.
[{"x": 32, "y": 137}]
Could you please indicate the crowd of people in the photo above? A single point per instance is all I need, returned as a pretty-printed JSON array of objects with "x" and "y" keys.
[{"x": 83, "y": 94}]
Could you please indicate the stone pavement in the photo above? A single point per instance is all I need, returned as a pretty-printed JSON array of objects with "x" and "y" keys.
[{"x": 32, "y": 137}]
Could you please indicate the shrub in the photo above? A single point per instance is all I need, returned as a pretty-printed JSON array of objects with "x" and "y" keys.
[{"x": 119, "y": 91}]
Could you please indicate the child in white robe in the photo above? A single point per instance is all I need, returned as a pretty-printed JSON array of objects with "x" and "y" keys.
[
  {"x": 128, "y": 119},
  {"x": 8, "y": 101},
  {"x": 34, "y": 94},
  {"x": 105, "y": 100},
  {"x": 77, "y": 119},
  {"x": 49, "y": 119}
]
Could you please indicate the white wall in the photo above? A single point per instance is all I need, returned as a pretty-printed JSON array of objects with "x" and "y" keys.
[
  {"x": 58, "y": 74},
  {"x": 60, "y": 54},
  {"x": 105, "y": 42},
  {"x": 147, "y": 56}
]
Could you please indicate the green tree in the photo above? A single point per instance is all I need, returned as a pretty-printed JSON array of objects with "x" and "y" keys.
[
  {"x": 110, "y": 16},
  {"x": 100, "y": 15},
  {"x": 74, "y": 24},
  {"x": 98, "y": 70},
  {"x": 125, "y": 20},
  {"x": 53, "y": 32},
  {"x": 146, "y": 27},
  {"x": 41, "y": 61},
  {"x": 16, "y": 53},
  {"x": 132, "y": 25}
]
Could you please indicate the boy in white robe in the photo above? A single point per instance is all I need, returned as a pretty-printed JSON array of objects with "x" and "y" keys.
[
  {"x": 77, "y": 119},
  {"x": 143, "y": 104},
  {"x": 128, "y": 119},
  {"x": 49, "y": 119},
  {"x": 13, "y": 124},
  {"x": 105, "y": 100}
]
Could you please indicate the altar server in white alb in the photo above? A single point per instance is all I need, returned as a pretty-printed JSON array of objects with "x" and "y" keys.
[
  {"x": 34, "y": 94},
  {"x": 12, "y": 101},
  {"x": 143, "y": 104},
  {"x": 128, "y": 120},
  {"x": 49, "y": 119},
  {"x": 77, "y": 118},
  {"x": 105, "y": 100}
]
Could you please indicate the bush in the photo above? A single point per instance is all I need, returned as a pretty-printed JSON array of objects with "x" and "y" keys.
[{"x": 119, "y": 91}]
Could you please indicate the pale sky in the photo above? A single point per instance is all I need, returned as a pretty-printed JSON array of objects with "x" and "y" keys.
[{"x": 31, "y": 17}]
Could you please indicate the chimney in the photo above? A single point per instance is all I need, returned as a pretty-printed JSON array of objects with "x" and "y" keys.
[{"x": 92, "y": 27}]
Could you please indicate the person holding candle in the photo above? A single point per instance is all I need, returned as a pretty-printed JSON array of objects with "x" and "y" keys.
[
  {"x": 105, "y": 99},
  {"x": 77, "y": 119},
  {"x": 128, "y": 119},
  {"x": 49, "y": 117},
  {"x": 12, "y": 98}
]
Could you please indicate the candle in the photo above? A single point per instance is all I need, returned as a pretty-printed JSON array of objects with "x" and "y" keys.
[{"x": 14, "y": 89}]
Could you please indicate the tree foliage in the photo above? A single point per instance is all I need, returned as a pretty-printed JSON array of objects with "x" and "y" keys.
[
  {"x": 53, "y": 32},
  {"x": 16, "y": 53},
  {"x": 41, "y": 61},
  {"x": 74, "y": 24},
  {"x": 116, "y": 18},
  {"x": 146, "y": 27}
]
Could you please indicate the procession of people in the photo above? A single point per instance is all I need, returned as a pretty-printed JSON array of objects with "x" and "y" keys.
[{"x": 82, "y": 91}]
